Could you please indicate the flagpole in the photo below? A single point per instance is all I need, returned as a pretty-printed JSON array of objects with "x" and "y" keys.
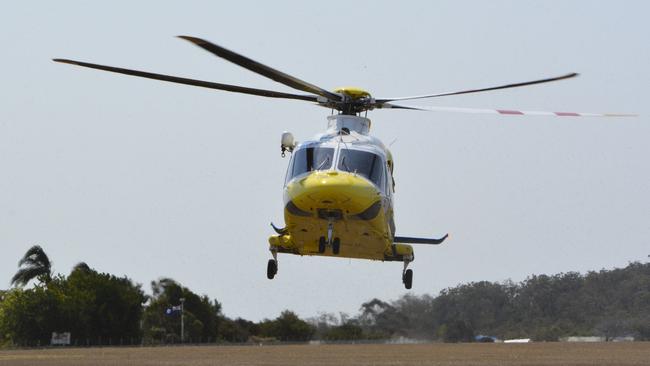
[{"x": 182, "y": 319}]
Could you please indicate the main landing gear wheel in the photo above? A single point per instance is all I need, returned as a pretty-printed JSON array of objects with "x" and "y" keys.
[
  {"x": 271, "y": 269},
  {"x": 407, "y": 278},
  {"x": 336, "y": 246}
]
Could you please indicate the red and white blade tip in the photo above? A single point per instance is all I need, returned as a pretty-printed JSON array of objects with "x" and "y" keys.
[{"x": 513, "y": 112}]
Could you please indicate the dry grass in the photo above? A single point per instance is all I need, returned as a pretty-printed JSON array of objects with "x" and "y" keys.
[{"x": 637, "y": 353}]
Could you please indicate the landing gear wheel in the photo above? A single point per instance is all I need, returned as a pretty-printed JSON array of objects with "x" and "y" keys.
[
  {"x": 407, "y": 279},
  {"x": 336, "y": 246},
  {"x": 271, "y": 269},
  {"x": 322, "y": 244}
]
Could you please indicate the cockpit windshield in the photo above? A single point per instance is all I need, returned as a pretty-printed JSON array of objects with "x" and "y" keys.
[
  {"x": 311, "y": 158},
  {"x": 363, "y": 163}
]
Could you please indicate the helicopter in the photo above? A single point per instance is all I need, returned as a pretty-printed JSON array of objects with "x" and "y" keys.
[{"x": 339, "y": 186}]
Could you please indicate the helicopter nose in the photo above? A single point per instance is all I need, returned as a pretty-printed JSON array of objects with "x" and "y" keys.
[{"x": 331, "y": 190}]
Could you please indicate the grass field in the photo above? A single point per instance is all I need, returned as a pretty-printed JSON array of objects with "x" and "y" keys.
[{"x": 637, "y": 353}]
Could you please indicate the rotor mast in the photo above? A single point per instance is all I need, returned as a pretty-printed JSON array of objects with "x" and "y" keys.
[{"x": 348, "y": 123}]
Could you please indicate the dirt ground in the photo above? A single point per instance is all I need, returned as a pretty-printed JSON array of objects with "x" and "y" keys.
[{"x": 636, "y": 353}]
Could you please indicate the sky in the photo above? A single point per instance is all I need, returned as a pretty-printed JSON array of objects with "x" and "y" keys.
[{"x": 147, "y": 179}]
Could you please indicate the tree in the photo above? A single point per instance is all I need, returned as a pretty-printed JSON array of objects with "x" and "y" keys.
[
  {"x": 238, "y": 330},
  {"x": 457, "y": 331},
  {"x": 28, "y": 317},
  {"x": 641, "y": 329},
  {"x": 202, "y": 316},
  {"x": 383, "y": 320},
  {"x": 345, "y": 332},
  {"x": 419, "y": 311},
  {"x": 94, "y": 307},
  {"x": 101, "y": 305},
  {"x": 35, "y": 265},
  {"x": 287, "y": 327},
  {"x": 81, "y": 266},
  {"x": 612, "y": 327}
]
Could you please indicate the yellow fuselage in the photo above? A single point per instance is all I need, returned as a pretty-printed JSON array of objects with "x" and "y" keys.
[{"x": 360, "y": 214}]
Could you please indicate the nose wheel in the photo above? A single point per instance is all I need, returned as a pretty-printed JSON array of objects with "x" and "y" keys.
[
  {"x": 324, "y": 243},
  {"x": 330, "y": 240},
  {"x": 336, "y": 246}
]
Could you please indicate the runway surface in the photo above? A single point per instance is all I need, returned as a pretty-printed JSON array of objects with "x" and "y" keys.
[{"x": 632, "y": 353}]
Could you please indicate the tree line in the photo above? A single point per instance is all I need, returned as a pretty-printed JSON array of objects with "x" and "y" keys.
[
  {"x": 607, "y": 303},
  {"x": 100, "y": 308}
]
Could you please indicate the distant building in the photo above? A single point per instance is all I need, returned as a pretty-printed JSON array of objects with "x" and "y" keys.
[
  {"x": 403, "y": 340},
  {"x": 583, "y": 339},
  {"x": 623, "y": 339},
  {"x": 520, "y": 340}
]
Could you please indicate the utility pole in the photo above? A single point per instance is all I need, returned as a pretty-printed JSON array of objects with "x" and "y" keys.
[{"x": 182, "y": 319}]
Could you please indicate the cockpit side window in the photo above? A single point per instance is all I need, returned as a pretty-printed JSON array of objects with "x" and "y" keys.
[
  {"x": 364, "y": 163},
  {"x": 311, "y": 158}
]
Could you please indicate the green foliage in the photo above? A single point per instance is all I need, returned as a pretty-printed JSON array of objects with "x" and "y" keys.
[
  {"x": 641, "y": 328},
  {"x": 546, "y": 333},
  {"x": 102, "y": 306},
  {"x": 419, "y": 311},
  {"x": 347, "y": 331},
  {"x": 457, "y": 331},
  {"x": 96, "y": 307},
  {"x": 610, "y": 303},
  {"x": 287, "y": 327},
  {"x": 202, "y": 316},
  {"x": 383, "y": 320},
  {"x": 479, "y": 305},
  {"x": 90, "y": 305},
  {"x": 545, "y": 308},
  {"x": 27, "y": 317},
  {"x": 238, "y": 330}
]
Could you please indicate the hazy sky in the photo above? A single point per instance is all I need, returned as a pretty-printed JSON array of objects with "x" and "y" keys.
[{"x": 147, "y": 179}]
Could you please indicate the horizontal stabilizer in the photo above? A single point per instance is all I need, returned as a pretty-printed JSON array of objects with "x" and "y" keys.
[{"x": 407, "y": 240}]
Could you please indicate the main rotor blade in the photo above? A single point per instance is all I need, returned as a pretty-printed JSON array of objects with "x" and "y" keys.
[
  {"x": 262, "y": 69},
  {"x": 515, "y": 85},
  {"x": 201, "y": 83},
  {"x": 506, "y": 111}
]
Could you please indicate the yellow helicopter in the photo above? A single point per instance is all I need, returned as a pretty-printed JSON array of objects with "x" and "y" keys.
[{"x": 339, "y": 187}]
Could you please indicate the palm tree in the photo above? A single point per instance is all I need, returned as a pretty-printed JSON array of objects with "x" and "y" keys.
[{"x": 34, "y": 264}]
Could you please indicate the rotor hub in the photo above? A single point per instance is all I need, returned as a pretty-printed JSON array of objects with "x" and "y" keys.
[
  {"x": 354, "y": 100},
  {"x": 352, "y": 92}
]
